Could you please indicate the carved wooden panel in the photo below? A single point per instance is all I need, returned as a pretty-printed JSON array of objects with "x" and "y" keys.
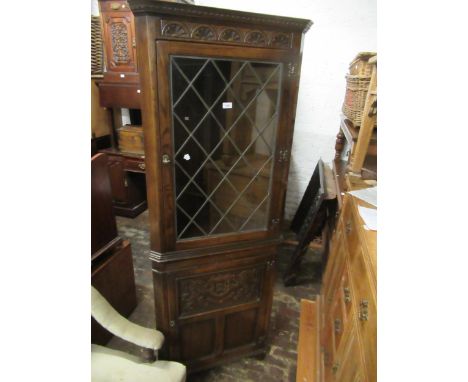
[
  {"x": 224, "y": 34},
  {"x": 216, "y": 290},
  {"x": 256, "y": 38},
  {"x": 119, "y": 38}
]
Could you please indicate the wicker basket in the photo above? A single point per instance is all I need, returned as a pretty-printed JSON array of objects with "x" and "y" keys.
[
  {"x": 355, "y": 98},
  {"x": 360, "y": 65}
]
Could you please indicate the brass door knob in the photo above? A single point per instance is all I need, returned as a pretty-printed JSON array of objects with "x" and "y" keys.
[
  {"x": 166, "y": 159},
  {"x": 142, "y": 166}
]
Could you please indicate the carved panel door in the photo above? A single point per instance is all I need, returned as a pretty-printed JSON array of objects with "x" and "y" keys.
[
  {"x": 119, "y": 37},
  {"x": 225, "y": 141},
  {"x": 219, "y": 309}
]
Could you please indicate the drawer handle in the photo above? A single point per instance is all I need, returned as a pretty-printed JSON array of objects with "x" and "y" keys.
[
  {"x": 364, "y": 310},
  {"x": 142, "y": 166},
  {"x": 337, "y": 325},
  {"x": 348, "y": 228},
  {"x": 335, "y": 367},
  {"x": 347, "y": 295}
]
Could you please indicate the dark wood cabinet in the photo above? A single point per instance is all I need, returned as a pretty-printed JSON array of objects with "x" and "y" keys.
[
  {"x": 111, "y": 257},
  {"x": 219, "y": 91},
  {"x": 126, "y": 172},
  {"x": 118, "y": 32},
  {"x": 120, "y": 88}
]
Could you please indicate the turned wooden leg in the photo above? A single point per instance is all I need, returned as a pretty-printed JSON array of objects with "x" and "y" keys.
[{"x": 339, "y": 144}]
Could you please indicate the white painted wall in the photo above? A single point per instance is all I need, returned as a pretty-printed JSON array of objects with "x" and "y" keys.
[{"x": 341, "y": 29}]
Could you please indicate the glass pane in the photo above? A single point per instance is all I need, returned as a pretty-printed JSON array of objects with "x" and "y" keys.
[{"x": 224, "y": 119}]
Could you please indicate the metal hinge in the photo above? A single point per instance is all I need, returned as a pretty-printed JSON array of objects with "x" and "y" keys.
[
  {"x": 283, "y": 156},
  {"x": 292, "y": 69}
]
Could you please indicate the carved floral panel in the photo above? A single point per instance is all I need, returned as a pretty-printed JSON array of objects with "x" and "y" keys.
[
  {"x": 175, "y": 30},
  {"x": 119, "y": 36},
  {"x": 219, "y": 290}
]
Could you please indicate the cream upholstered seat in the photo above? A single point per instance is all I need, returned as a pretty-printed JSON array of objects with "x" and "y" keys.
[{"x": 112, "y": 365}]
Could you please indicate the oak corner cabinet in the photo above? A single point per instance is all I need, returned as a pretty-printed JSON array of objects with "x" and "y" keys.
[{"x": 218, "y": 99}]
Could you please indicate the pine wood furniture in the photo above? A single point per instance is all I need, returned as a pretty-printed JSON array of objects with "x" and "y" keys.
[
  {"x": 369, "y": 118},
  {"x": 111, "y": 257},
  {"x": 346, "y": 309},
  {"x": 219, "y": 90},
  {"x": 357, "y": 144}
]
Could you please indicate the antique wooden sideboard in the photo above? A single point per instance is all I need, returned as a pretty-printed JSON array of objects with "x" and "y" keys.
[
  {"x": 218, "y": 99},
  {"x": 119, "y": 89},
  {"x": 339, "y": 328}
]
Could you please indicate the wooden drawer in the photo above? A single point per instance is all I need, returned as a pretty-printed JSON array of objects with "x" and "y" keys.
[
  {"x": 131, "y": 139},
  {"x": 345, "y": 290},
  {"x": 114, "y": 6},
  {"x": 335, "y": 274},
  {"x": 363, "y": 294},
  {"x": 350, "y": 230},
  {"x": 349, "y": 366},
  {"x": 337, "y": 319},
  {"x": 328, "y": 351},
  {"x": 135, "y": 165},
  {"x": 119, "y": 95}
]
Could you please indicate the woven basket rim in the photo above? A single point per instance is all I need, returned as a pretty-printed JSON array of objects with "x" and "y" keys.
[{"x": 358, "y": 77}]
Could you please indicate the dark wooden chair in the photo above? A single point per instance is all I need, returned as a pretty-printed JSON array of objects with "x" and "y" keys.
[{"x": 317, "y": 208}]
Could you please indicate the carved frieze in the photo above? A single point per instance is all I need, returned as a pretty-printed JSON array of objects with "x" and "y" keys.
[
  {"x": 256, "y": 38},
  {"x": 281, "y": 40},
  {"x": 203, "y": 33},
  {"x": 230, "y": 34},
  {"x": 225, "y": 34},
  {"x": 175, "y": 30},
  {"x": 218, "y": 290},
  {"x": 119, "y": 37}
]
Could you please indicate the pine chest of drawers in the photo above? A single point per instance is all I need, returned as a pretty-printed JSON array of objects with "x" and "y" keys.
[{"x": 346, "y": 309}]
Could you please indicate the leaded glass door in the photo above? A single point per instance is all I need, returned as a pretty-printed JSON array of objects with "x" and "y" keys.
[{"x": 223, "y": 119}]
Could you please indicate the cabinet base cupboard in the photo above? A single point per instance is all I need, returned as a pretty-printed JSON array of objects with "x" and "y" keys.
[{"x": 219, "y": 91}]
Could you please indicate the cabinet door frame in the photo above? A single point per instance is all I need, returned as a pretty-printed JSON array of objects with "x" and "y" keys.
[{"x": 164, "y": 51}]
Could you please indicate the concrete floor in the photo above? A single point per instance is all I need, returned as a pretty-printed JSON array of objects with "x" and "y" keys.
[{"x": 280, "y": 362}]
